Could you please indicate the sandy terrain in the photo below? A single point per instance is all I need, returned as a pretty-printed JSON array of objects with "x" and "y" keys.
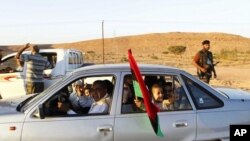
[{"x": 235, "y": 77}]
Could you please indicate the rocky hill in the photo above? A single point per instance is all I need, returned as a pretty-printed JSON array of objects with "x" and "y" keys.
[{"x": 153, "y": 48}]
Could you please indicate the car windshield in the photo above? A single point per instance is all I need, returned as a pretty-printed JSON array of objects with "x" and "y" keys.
[
  {"x": 28, "y": 102},
  {"x": 20, "y": 105}
]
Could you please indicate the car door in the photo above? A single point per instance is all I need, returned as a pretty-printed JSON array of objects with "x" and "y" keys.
[
  {"x": 76, "y": 127},
  {"x": 176, "y": 125},
  {"x": 90, "y": 128},
  {"x": 211, "y": 121}
]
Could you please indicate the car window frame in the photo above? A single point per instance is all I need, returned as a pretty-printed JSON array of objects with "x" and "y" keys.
[
  {"x": 50, "y": 92},
  {"x": 159, "y": 73},
  {"x": 208, "y": 92},
  {"x": 44, "y": 95}
]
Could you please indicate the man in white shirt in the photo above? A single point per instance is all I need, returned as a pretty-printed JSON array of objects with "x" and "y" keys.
[{"x": 101, "y": 98}]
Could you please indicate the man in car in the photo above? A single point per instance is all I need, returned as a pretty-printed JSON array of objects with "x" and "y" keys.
[
  {"x": 100, "y": 100},
  {"x": 78, "y": 99},
  {"x": 157, "y": 99}
]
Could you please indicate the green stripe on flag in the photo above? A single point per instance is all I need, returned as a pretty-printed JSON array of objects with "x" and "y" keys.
[
  {"x": 137, "y": 89},
  {"x": 159, "y": 132}
]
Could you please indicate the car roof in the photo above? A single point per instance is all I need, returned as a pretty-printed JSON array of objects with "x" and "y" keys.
[
  {"x": 125, "y": 67},
  {"x": 40, "y": 51}
]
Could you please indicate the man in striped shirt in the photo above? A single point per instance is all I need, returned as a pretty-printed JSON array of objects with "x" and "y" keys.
[{"x": 36, "y": 64}]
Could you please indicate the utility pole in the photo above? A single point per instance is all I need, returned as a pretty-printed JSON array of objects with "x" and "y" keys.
[
  {"x": 103, "y": 41},
  {"x": 115, "y": 44}
]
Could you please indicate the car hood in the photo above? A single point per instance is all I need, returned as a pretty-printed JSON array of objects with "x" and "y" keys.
[
  {"x": 235, "y": 93},
  {"x": 8, "y": 106}
]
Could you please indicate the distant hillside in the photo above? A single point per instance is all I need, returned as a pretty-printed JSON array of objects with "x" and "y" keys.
[{"x": 153, "y": 48}]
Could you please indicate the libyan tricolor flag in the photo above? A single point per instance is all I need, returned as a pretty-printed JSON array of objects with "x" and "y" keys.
[{"x": 140, "y": 89}]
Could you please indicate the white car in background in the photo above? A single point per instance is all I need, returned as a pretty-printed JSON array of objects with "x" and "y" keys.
[
  {"x": 201, "y": 112},
  {"x": 12, "y": 81}
]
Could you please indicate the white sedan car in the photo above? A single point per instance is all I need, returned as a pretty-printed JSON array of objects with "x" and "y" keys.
[{"x": 199, "y": 111}]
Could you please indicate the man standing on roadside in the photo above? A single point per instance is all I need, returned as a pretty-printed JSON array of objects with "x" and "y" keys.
[
  {"x": 203, "y": 61},
  {"x": 36, "y": 64}
]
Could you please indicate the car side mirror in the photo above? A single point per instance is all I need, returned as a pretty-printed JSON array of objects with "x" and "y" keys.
[{"x": 41, "y": 111}]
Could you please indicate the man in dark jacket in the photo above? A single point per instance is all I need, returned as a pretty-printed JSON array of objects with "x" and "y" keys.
[{"x": 203, "y": 61}]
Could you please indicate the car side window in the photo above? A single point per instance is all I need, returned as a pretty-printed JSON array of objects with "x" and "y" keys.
[
  {"x": 51, "y": 57},
  {"x": 203, "y": 99},
  {"x": 83, "y": 96},
  {"x": 166, "y": 92},
  {"x": 9, "y": 65}
]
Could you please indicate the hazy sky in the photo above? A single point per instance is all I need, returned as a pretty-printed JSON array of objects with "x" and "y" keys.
[{"x": 61, "y": 21}]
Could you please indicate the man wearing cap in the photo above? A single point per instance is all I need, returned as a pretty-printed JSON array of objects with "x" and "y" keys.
[
  {"x": 36, "y": 64},
  {"x": 79, "y": 101},
  {"x": 203, "y": 61}
]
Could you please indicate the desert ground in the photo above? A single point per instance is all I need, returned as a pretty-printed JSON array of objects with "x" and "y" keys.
[{"x": 233, "y": 77}]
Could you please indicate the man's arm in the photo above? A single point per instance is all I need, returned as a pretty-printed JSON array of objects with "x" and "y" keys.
[
  {"x": 19, "y": 62},
  {"x": 139, "y": 103},
  {"x": 21, "y": 51},
  {"x": 48, "y": 65},
  {"x": 195, "y": 63},
  {"x": 85, "y": 101}
]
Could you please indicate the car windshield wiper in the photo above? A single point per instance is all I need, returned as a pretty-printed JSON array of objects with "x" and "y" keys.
[{"x": 20, "y": 105}]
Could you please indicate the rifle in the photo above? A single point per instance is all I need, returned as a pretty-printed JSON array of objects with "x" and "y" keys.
[
  {"x": 213, "y": 70},
  {"x": 216, "y": 63},
  {"x": 213, "y": 65},
  {"x": 210, "y": 68}
]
